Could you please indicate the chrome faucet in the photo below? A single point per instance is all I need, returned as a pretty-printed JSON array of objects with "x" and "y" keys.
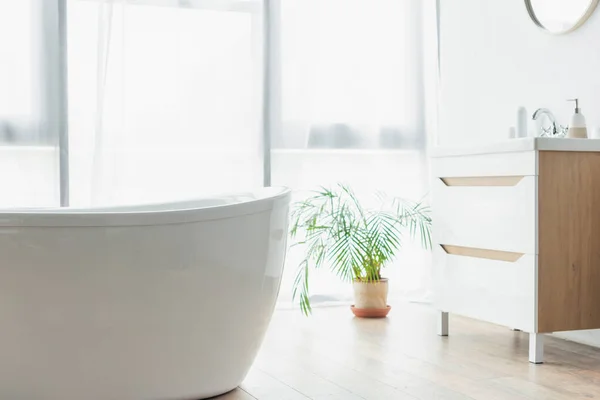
[{"x": 544, "y": 111}]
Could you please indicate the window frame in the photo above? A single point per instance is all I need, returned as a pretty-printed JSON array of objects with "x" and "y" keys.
[{"x": 53, "y": 86}]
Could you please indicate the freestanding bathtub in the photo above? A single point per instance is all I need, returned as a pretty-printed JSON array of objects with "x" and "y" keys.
[{"x": 156, "y": 302}]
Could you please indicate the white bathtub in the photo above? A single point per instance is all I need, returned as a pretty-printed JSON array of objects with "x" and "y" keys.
[{"x": 156, "y": 302}]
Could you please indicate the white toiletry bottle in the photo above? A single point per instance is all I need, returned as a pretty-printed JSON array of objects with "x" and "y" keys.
[
  {"x": 577, "y": 128},
  {"x": 521, "y": 122}
]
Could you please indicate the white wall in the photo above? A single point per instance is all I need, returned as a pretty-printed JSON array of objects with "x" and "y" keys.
[{"x": 494, "y": 59}]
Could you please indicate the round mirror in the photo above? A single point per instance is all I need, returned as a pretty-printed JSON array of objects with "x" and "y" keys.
[{"x": 560, "y": 16}]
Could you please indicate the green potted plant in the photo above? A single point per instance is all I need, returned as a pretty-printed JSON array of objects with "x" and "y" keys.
[{"x": 355, "y": 242}]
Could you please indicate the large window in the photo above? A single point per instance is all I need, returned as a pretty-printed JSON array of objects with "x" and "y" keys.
[
  {"x": 19, "y": 116},
  {"x": 350, "y": 74},
  {"x": 165, "y": 99},
  {"x": 30, "y": 103},
  {"x": 351, "y": 96},
  {"x": 171, "y": 99}
]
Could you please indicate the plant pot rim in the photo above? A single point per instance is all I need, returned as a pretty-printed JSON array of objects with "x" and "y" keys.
[{"x": 378, "y": 280}]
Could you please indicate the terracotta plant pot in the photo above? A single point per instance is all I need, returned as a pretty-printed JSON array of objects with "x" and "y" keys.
[
  {"x": 370, "y": 299},
  {"x": 370, "y": 312}
]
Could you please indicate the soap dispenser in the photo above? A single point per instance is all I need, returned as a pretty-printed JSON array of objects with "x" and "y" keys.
[{"x": 577, "y": 128}]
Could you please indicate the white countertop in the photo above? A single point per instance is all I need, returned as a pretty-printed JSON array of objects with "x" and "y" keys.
[{"x": 518, "y": 145}]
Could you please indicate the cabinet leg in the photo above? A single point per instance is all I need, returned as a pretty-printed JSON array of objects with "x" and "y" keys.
[
  {"x": 536, "y": 348},
  {"x": 442, "y": 323}
]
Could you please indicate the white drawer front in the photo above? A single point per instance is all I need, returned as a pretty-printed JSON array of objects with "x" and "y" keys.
[
  {"x": 500, "y": 292},
  {"x": 486, "y": 217},
  {"x": 501, "y": 164}
]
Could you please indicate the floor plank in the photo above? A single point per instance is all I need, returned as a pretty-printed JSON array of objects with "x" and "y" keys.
[
  {"x": 333, "y": 355},
  {"x": 238, "y": 394}
]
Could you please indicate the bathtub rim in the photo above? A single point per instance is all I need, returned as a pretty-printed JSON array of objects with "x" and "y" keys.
[{"x": 267, "y": 198}]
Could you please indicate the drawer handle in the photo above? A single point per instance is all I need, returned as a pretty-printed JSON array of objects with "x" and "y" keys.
[
  {"x": 482, "y": 253},
  {"x": 482, "y": 181}
]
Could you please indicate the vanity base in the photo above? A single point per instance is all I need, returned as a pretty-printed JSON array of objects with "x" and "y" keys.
[
  {"x": 516, "y": 236},
  {"x": 536, "y": 340}
]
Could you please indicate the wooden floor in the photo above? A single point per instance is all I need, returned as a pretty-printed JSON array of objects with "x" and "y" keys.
[{"x": 333, "y": 355}]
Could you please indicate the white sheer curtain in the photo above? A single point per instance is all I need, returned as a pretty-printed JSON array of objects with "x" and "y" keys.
[
  {"x": 17, "y": 72},
  {"x": 28, "y": 132},
  {"x": 166, "y": 103},
  {"x": 165, "y": 99},
  {"x": 356, "y": 107}
]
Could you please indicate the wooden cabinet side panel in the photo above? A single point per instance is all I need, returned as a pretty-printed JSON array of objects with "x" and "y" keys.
[{"x": 569, "y": 241}]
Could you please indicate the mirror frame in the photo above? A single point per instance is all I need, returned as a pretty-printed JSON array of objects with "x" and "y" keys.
[{"x": 588, "y": 13}]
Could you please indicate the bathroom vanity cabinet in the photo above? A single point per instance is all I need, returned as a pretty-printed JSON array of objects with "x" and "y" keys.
[{"x": 517, "y": 235}]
